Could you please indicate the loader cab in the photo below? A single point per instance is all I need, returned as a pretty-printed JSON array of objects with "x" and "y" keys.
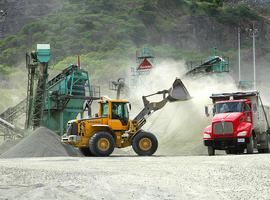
[
  {"x": 120, "y": 111},
  {"x": 117, "y": 113}
]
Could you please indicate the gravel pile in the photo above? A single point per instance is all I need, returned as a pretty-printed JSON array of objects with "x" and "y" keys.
[
  {"x": 8, "y": 144},
  {"x": 41, "y": 143}
]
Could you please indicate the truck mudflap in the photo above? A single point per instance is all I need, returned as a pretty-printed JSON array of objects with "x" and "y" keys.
[{"x": 227, "y": 143}]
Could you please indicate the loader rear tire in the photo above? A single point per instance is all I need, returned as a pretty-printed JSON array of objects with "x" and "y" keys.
[
  {"x": 250, "y": 146},
  {"x": 145, "y": 144},
  {"x": 101, "y": 144},
  {"x": 211, "y": 151}
]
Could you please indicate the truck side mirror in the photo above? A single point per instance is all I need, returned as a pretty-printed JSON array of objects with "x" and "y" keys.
[
  {"x": 206, "y": 111},
  {"x": 96, "y": 115},
  {"x": 129, "y": 106}
]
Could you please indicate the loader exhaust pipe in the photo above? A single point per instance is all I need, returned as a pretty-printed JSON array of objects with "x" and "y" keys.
[{"x": 178, "y": 92}]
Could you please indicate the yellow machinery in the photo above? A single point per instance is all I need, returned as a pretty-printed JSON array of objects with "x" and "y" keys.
[{"x": 112, "y": 127}]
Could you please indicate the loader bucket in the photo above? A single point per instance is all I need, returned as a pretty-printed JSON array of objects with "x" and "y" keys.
[{"x": 178, "y": 91}]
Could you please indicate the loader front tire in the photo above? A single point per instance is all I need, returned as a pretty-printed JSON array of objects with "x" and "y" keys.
[
  {"x": 101, "y": 144},
  {"x": 145, "y": 144},
  {"x": 86, "y": 151}
]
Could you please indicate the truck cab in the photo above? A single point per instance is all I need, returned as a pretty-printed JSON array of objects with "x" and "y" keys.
[{"x": 239, "y": 122}]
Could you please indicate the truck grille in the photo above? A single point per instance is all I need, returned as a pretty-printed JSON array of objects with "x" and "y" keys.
[{"x": 223, "y": 127}]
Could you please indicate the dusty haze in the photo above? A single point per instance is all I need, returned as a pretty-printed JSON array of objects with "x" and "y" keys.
[{"x": 179, "y": 125}]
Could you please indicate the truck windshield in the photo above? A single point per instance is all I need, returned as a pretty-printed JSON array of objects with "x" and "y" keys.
[{"x": 229, "y": 107}]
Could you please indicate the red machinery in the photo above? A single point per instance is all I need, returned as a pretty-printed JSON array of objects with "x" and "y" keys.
[
  {"x": 145, "y": 63},
  {"x": 240, "y": 121}
]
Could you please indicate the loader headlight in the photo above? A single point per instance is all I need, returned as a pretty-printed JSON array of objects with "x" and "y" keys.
[
  {"x": 74, "y": 138},
  {"x": 242, "y": 133},
  {"x": 206, "y": 136}
]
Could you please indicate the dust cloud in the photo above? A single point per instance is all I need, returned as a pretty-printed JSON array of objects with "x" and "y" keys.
[
  {"x": 178, "y": 126},
  {"x": 12, "y": 88}
]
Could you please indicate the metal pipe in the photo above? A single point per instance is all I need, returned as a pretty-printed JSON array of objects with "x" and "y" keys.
[
  {"x": 253, "y": 31},
  {"x": 78, "y": 62},
  {"x": 254, "y": 57},
  {"x": 239, "y": 54}
]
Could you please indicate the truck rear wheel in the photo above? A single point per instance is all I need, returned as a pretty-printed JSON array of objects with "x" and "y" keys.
[
  {"x": 250, "y": 146},
  {"x": 145, "y": 144},
  {"x": 211, "y": 151},
  {"x": 267, "y": 149},
  {"x": 101, "y": 144}
]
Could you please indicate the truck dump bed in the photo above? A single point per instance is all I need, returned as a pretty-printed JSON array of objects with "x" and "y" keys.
[{"x": 234, "y": 95}]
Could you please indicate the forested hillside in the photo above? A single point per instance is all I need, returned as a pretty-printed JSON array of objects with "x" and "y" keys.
[
  {"x": 107, "y": 33},
  {"x": 107, "y": 30}
]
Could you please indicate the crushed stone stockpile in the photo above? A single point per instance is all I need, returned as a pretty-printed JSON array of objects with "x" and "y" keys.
[
  {"x": 41, "y": 143},
  {"x": 8, "y": 144}
]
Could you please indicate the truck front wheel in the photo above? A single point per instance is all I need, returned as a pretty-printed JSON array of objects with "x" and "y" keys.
[
  {"x": 250, "y": 145},
  {"x": 228, "y": 151},
  {"x": 240, "y": 151},
  {"x": 101, "y": 144},
  {"x": 211, "y": 151},
  {"x": 145, "y": 144},
  {"x": 233, "y": 151}
]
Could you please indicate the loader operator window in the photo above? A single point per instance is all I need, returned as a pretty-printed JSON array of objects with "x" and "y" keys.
[
  {"x": 229, "y": 107},
  {"x": 120, "y": 111},
  {"x": 104, "y": 107}
]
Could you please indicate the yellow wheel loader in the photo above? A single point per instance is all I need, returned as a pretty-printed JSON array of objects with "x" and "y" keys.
[{"x": 111, "y": 128}]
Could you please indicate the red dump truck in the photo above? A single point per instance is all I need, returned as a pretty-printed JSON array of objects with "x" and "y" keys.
[{"x": 239, "y": 122}]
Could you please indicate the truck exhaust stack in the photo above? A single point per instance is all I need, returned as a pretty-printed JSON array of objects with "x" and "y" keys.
[{"x": 178, "y": 92}]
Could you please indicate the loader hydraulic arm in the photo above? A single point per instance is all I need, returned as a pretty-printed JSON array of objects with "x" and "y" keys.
[
  {"x": 149, "y": 108},
  {"x": 177, "y": 92}
]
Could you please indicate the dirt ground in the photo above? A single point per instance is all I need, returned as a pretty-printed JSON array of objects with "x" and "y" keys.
[{"x": 133, "y": 177}]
